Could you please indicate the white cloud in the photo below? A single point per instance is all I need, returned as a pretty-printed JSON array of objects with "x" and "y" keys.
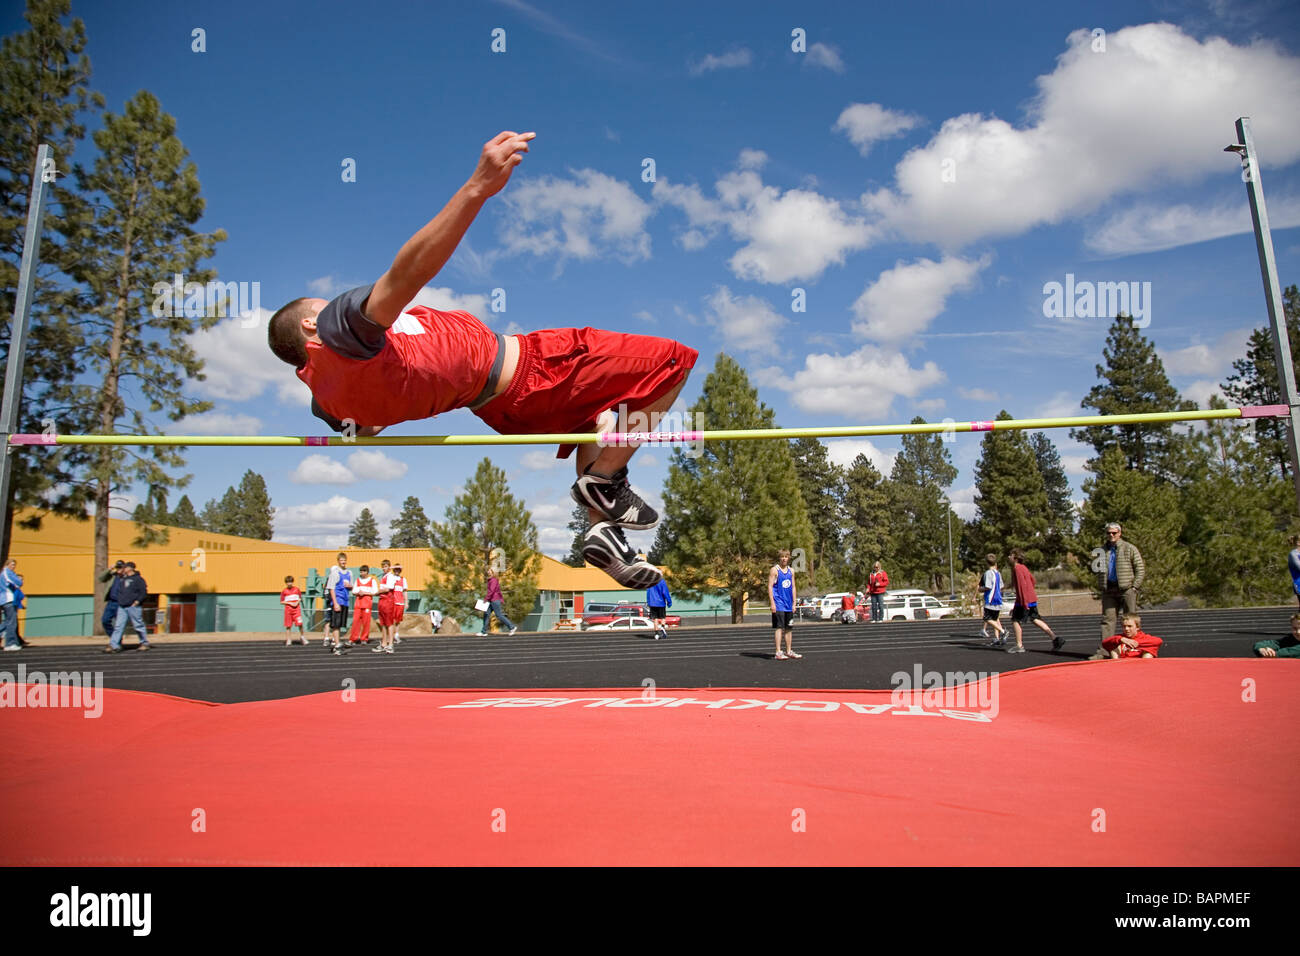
[
  {"x": 747, "y": 323},
  {"x": 866, "y": 124},
  {"x": 322, "y": 470},
  {"x": 861, "y": 386},
  {"x": 904, "y": 300},
  {"x": 724, "y": 61},
  {"x": 1202, "y": 359},
  {"x": 375, "y": 466},
  {"x": 930, "y": 405},
  {"x": 1157, "y": 105},
  {"x": 843, "y": 452},
  {"x": 541, "y": 461},
  {"x": 1147, "y": 228},
  {"x": 797, "y": 234},
  {"x": 1200, "y": 391},
  {"x": 329, "y": 520},
  {"x": 215, "y": 423},
  {"x": 1075, "y": 464},
  {"x": 590, "y": 216},
  {"x": 446, "y": 300},
  {"x": 963, "y": 502},
  {"x": 977, "y": 394},
  {"x": 825, "y": 56}
]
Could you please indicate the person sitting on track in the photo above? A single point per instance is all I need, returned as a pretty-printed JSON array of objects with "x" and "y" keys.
[
  {"x": 1134, "y": 642},
  {"x": 1289, "y": 646},
  {"x": 369, "y": 341}
]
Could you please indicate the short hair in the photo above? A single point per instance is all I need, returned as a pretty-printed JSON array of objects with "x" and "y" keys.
[
  {"x": 397, "y": 567},
  {"x": 1294, "y": 540},
  {"x": 1132, "y": 617},
  {"x": 365, "y": 569},
  {"x": 385, "y": 561},
  {"x": 130, "y": 564},
  {"x": 343, "y": 555},
  {"x": 284, "y": 332},
  {"x": 288, "y": 579},
  {"x": 1114, "y": 524},
  {"x": 992, "y": 559},
  {"x": 1017, "y": 555},
  {"x": 783, "y": 553}
]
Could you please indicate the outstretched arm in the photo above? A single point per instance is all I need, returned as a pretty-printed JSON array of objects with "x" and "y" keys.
[{"x": 425, "y": 253}]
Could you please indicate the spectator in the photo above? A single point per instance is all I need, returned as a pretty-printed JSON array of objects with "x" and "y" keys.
[
  {"x": 1293, "y": 563},
  {"x": 8, "y": 618},
  {"x": 15, "y": 582},
  {"x": 496, "y": 604},
  {"x": 877, "y": 585},
  {"x": 385, "y": 604},
  {"x": 435, "y": 619},
  {"x": 1119, "y": 577},
  {"x": 991, "y": 588},
  {"x": 111, "y": 605},
  {"x": 131, "y": 597},
  {"x": 1289, "y": 646},
  {"x": 782, "y": 595},
  {"x": 658, "y": 600},
  {"x": 1133, "y": 642},
  {"x": 1025, "y": 610}
]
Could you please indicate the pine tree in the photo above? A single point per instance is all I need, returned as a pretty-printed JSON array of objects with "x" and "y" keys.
[
  {"x": 43, "y": 77},
  {"x": 1133, "y": 381},
  {"x": 486, "y": 529},
  {"x": 184, "y": 516},
  {"x": 1151, "y": 515},
  {"x": 821, "y": 483},
  {"x": 254, "y": 515},
  {"x": 922, "y": 471},
  {"x": 868, "y": 511},
  {"x": 1060, "y": 506},
  {"x": 145, "y": 197},
  {"x": 1255, "y": 381},
  {"x": 732, "y": 506},
  {"x": 364, "y": 533},
  {"x": 580, "y": 524},
  {"x": 1009, "y": 493},
  {"x": 411, "y": 529}
]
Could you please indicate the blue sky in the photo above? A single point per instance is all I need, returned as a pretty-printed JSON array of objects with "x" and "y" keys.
[{"x": 920, "y": 171}]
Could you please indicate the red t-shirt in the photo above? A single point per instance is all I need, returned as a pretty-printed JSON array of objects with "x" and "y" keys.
[
  {"x": 1147, "y": 644},
  {"x": 431, "y": 362},
  {"x": 291, "y": 596},
  {"x": 1025, "y": 592}
]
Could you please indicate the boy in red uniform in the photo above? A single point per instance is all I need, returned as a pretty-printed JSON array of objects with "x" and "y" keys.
[
  {"x": 399, "y": 601},
  {"x": 365, "y": 589},
  {"x": 291, "y": 598},
  {"x": 387, "y": 622},
  {"x": 1133, "y": 642},
  {"x": 422, "y": 362}
]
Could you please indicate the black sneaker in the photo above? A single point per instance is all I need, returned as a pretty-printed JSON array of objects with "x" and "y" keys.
[
  {"x": 605, "y": 547},
  {"x": 1058, "y": 643},
  {"x": 614, "y": 498}
]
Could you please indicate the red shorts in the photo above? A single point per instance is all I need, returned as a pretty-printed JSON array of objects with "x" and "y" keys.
[
  {"x": 292, "y": 615},
  {"x": 387, "y": 617},
  {"x": 567, "y": 377}
]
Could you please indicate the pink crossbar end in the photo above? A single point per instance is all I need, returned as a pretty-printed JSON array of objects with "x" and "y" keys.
[
  {"x": 1265, "y": 411},
  {"x": 41, "y": 439},
  {"x": 318, "y": 440},
  {"x": 981, "y": 426}
]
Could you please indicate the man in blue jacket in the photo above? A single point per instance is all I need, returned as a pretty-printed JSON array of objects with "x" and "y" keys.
[
  {"x": 131, "y": 596},
  {"x": 658, "y": 600}
]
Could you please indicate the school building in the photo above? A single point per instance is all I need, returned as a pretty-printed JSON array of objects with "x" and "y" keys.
[{"x": 203, "y": 582}]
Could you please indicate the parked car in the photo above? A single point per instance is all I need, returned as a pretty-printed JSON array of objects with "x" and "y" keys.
[
  {"x": 913, "y": 604},
  {"x": 829, "y": 605},
  {"x": 598, "y": 614},
  {"x": 625, "y": 624}
]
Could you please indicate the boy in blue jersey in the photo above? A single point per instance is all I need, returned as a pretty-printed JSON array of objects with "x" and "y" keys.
[
  {"x": 336, "y": 603},
  {"x": 991, "y": 586},
  {"x": 1293, "y": 564},
  {"x": 658, "y": 600},
  {"x": 782, "y": 595}
]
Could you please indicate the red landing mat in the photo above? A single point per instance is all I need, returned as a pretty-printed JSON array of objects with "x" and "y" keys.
[{"x": 1162, "y": 762}]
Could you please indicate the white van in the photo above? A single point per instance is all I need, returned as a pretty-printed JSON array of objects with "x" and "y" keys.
[
  {"x": 828, "y": 604},
  {"x": 913, "y": 604}
]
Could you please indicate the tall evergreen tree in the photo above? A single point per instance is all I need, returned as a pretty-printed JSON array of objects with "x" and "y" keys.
[
  {"x": 255, "y": 517},
  {"x": 580, "y": 524},
  {"x": 1060, "y": 506},
  {"x": 734, "y": 505},
  {"x": 486, "y": 527},
  {"x": 1255, "y": 381},
  {"x": 921, "y": 475},
  {"x": 1151, "y": 515},
  {"x": 43, "y": 92},
  {"x": 1009, "y": 493},
  {"x": 821, "y": 483},
  {"x": 184, "y": 516},
  {"x": 1133, "y": 381},
  {"x": 869, "y": 515},
  {"x": 364, "y": 533},
  {"x": 411, "y": 529},
  {"x": 146, "y": 199}
]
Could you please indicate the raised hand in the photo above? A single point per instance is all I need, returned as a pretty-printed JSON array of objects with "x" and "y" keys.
[{"x": 501, "y": 154}]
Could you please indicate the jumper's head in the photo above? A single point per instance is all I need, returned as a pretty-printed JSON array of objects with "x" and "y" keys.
[{"x": 291, "y": 328}]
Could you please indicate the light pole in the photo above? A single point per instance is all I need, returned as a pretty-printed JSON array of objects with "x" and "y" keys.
[{"x": 952, "y": 582}]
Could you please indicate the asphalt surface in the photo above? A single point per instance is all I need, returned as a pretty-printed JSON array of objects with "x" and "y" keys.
[{"x": 836, "y": 657}]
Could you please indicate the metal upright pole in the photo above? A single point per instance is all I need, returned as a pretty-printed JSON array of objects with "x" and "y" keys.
[
  {"x": 13, "y": 391},
  {"x": 1250, "y": 173}
]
